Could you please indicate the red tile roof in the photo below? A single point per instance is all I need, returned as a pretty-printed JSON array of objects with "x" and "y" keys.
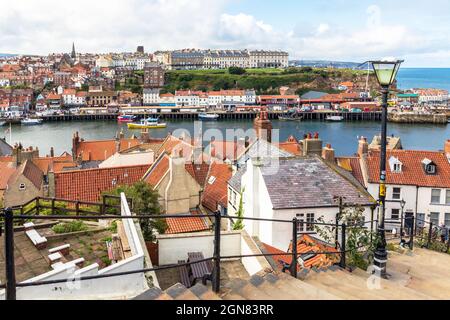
[
  {"x": 413, "y": 172},
  {"x": 7, "y": 169},
  {"x": 88, "y": 185},
  {"x": 198, "y": 171},
  {"x": 291, "y": 145},
  {"x": 44, "y": 163},
  {"x": 216, "y": 186},
  {"x": 101, "y": 150},
  {"x": 158, "y": 170},
  {"x": 305, "y": 245},
  {"x": 186, "y": 225},
  {"x": 353, "y": 165}
]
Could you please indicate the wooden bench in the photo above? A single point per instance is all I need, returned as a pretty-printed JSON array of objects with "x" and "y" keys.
[
  {"x": 38, "y": 241},
  {"x": 64, "y": 249},
  {"x": 124, "y": 239},
  {"x": 184, "y": 274}
]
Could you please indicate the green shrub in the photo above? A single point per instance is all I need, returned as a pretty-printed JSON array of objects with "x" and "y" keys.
[{"x": 68, "y": 227}]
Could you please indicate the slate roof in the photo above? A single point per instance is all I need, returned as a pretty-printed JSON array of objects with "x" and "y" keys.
[
  {"x": 308, "y": 183},
  {"x": 313, "y": 95},
  {"x": 264, "y": 150},
  {"x": 235, "y": 181},
  {"x": 5, "y": 148}
]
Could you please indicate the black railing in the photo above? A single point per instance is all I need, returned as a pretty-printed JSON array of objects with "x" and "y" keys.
[{"x": 10, "y": 215}]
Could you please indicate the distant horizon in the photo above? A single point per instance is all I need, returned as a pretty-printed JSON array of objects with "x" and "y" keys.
[{"x": 293, "y": 59}]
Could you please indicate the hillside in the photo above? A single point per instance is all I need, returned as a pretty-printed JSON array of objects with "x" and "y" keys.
[{"x": 265, "y": 81}]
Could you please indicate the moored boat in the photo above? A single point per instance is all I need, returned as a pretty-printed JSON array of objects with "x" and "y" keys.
[
  {"x": 2, "y": 123},
  {"x": 150, "y": 123},
  {"x": 126, "y": 118},
  {"x": 31, "y": 121},
  {"x": 335, "y": 118},
  {"x": 208, "y": 116}
]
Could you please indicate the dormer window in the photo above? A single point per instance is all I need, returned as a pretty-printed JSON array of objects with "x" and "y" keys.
[
  {"x": 395, "y": 165},
  {"x": 429, "y": 166},
  {"x": 22, "y": 187}
]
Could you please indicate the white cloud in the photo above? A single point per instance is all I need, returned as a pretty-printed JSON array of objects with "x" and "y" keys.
[{"x": 30, "y": 26}]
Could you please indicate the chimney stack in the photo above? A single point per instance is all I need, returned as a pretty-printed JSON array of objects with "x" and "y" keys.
[
  {"x": 263, "y": 126},
  {"x": 52, "y": 152},
  {"x": 312, "y": 145},
  {"x": 363, "y": 147},
  {"x": 328, "y": 153},
  {"x": 75, "y": 143},
  {"x": 447, "y": 147}
]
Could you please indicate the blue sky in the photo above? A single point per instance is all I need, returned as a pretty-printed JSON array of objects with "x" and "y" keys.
[{"x": 346, "y": 30}]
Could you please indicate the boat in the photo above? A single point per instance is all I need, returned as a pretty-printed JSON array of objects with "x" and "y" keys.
[
  {"x": 207, "y": 116},
  {"x": 335, "y": 118},
  {"x": 293, "y": 116},
  {"x": 126, "y": 118},
  {"x": 150, "y": 123},
  {"x": 31, "y": 121},
  {"x": 2, "y": 123}
]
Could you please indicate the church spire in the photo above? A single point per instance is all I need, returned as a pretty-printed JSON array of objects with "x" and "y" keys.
[{"x": 73, "y": 55}]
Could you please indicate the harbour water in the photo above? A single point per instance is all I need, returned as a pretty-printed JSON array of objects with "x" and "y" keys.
[{"x": 342, "y": 135}]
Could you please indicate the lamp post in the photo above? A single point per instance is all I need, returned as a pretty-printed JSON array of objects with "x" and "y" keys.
[
  {"x": 402, "y": 204},
  {"x": 385, "y": 71}
]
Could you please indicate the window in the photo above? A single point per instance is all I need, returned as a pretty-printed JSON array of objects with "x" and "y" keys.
[
  {"x": 22, "y": 187},
  {"x": 431, "y": 169},
  {"x": 447, "y": 197},
  {"x": 435, "y": 196},
  {"x": 310, "y": 218},
  {"x": 300, "y": 224},
  {"x": 397, "y": 167},
  {"x": 434, "y": 218},
  {"x": 447, "y": 220},
  {"x": 395, "y": 214},
  {"x": 396, "y": 193}
]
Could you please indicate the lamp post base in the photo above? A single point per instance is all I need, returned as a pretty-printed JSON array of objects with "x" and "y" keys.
[{"x": 380, "y": 262}]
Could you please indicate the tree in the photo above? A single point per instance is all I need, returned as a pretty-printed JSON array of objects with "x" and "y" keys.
[
  {"x": 236, "y": 70},
  {"x": 239, "y": 224},
  {"x": 360, "y": 241},
  {"x": 145, "y": 201}
]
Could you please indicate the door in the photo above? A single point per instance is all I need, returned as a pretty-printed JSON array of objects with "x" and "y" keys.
[{"x": 408, "y": 222}]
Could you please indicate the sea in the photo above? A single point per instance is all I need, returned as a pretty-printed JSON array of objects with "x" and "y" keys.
[{"x": 437, "y": 78}]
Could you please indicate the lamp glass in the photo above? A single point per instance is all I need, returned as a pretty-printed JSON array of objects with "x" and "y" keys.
[{"x": 386, "y": 71}]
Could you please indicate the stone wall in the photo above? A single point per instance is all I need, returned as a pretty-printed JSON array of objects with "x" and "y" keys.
[{"x": 417, "y": 118}]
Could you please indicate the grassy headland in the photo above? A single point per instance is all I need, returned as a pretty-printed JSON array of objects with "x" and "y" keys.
[{"x": 264, "y": 81}]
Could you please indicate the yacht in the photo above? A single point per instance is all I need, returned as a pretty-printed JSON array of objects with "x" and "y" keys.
[
  {"x": 335, "y": 118},
  {"x": 31, "y": 121}
]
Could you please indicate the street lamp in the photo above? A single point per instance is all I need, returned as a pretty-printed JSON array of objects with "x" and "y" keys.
[{"x": 385, "y": 71}]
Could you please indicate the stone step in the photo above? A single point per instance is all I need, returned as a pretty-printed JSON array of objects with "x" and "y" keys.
[
  {"x": 312, "y": 292},
  {"x": 275, "y": 287},
  {"x": 180, "y": 292},
  {"x": 203, "y": 292},
  {"x": 346, "y": 288},
  {"x": 247, "y": 290}
]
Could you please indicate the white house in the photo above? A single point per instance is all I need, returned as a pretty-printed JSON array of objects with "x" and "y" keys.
[
  {"x": 420, "y": 178},
  {"x": 306, "y": 188},
  {"x": 150, "y": 96},
  {"x": 188, "y": 98}
]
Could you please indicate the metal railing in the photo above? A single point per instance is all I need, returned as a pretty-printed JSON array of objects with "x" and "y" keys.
[{"x": 9, "y": 217}]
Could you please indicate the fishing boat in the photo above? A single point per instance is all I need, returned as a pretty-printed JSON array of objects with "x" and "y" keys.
[
  {"x": 208, "y": 116},
  {"x": 150, "y": 123},
  {"x": 335, "y": 118},
  {"x": 31, "y": 121},
  {"x": 126, "y": 118},
  {"x": 292, "y": 116}
]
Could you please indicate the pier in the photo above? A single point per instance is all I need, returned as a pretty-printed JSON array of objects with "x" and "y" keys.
[{"x": 273, "y": 115}]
